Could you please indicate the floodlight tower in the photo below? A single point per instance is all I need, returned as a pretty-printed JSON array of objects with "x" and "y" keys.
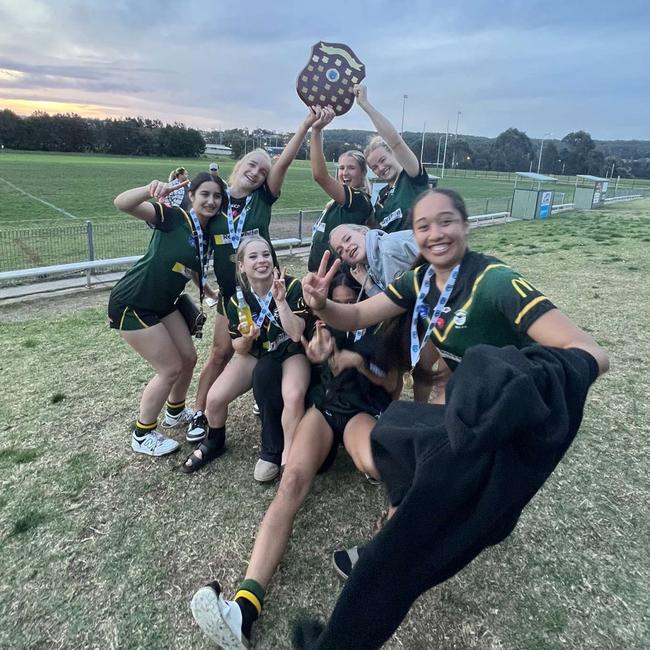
[
  {"x": 541, "y": 147},
  {"x": 404, "y": 98}
]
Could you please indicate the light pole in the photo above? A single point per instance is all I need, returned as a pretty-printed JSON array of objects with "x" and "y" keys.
[
  {"x": 453, "y": 155},
  {"x": 541, "y": 147},
  {"x": 438, "y": 155},
  {"x": 404, "y": 98},
  {"x": 424, "y": 129},
  {"x": 444, "y": 153}
]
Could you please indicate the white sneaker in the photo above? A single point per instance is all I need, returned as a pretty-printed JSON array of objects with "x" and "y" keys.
[
  {"x": 219, "y": 619},
  {"x": 177, "y": 420},
  {"x": 197, "y": 428},
  {"x": 154, "y": 444},
  {"x": 256, "y": 409},
  {"x": 265, "y": 471}
]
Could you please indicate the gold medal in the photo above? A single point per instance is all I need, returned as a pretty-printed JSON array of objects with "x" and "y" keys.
[{"x": 408, "y": 379}]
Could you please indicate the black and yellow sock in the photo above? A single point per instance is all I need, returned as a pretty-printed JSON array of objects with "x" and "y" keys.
[
  {"x": 175, "y": 409},
  {"x": 250, "y": 599},
  {"x": 141, "y": 430}
]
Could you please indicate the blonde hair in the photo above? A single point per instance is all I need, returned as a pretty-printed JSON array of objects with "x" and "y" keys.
[
  {"x": 240, "y": 162},
  {"x": 350, "y": 226},
  {"x": 361, "y": 159},
  {"x": 241, "y": 278},
  {"x": 175, "y": 173},
  {"x": 376, "y": 143}
]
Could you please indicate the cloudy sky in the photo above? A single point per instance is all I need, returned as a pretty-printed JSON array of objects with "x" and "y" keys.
[{"x": 543, "y": 67}]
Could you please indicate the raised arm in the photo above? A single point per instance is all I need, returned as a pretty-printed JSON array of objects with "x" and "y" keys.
[
  {"x": 136, "y": 201},
  {"x": 292, "y": 324},
  {"x": 319, "y": 171},
  {"x": 347, "y": 318},
  {"x": 288, "y": 155},
  {"x": 556, "y": 330},
  {"x": 388, "y": 132}
]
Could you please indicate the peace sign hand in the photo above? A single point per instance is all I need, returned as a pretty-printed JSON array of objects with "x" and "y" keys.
[
  {"x": 279, "y": 288},
  {"x": 159, "y": 189},
  {"x": 315, "y": 286}
]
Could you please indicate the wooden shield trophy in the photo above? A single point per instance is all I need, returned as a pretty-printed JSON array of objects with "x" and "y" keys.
[{"x": 329, "y": 76}]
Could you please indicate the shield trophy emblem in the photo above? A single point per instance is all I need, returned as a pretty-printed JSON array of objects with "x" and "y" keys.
[{"x": 329, "y": 76}]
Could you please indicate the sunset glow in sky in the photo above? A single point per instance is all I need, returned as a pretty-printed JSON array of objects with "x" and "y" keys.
[{"x": 550, "y": 67}]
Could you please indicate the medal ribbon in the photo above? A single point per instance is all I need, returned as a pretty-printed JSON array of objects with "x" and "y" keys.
[
  {"x": 203, "y": 258},
  {"x": 264, "y": 309},
  {"x": 235, "y": 233},
  {"x": 421, "y": 309}
]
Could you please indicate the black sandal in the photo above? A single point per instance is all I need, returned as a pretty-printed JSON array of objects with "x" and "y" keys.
[{"x": 208, "y": 453}]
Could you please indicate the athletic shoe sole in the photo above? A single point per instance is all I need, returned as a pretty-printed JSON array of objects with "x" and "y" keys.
[{"x": 207, "y": 614}]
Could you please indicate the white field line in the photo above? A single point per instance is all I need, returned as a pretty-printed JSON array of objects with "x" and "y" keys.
[{"x": 31, "y": 196}]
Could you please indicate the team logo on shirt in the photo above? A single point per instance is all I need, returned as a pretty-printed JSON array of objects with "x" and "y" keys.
[{"x": 460, "y": 318}]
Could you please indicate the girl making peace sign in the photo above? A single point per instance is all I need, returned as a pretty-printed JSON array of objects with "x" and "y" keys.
[
  {"x": 253, "y": 187},
  {"x": 277, "y": 309}
]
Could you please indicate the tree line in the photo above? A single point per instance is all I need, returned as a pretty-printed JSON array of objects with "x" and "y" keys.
[
  {"x": 512, "y": 150},
  {"x": 73, "y": 133}
]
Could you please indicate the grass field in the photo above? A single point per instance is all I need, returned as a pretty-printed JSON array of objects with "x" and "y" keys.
[
  {"x": 102, "y": 549},
  {"x": 85, "y": 185},
  {"x": 44, "y": 223}
]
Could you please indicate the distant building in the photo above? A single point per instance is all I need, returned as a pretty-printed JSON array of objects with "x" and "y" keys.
[{"x": 217, "y": 150}]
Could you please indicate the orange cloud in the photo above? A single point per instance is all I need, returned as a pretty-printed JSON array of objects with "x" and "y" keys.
[{"x": 28, "y": 106}]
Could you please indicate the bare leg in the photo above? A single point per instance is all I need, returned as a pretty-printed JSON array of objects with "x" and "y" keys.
[
  {"x": 179, "y": 333},
  {"x": 234, "y": 381},
  {"x": 156, "y": 346},
  {"x": 312, "y": 442},
  {"x": 295, "y": 381},
  {"x": 220, "y": 354},
  {"x": 356, "y": 438},
  {"x": 423, "y": 377}
]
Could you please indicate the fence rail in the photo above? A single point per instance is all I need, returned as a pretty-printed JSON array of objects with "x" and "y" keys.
[{"x": 30, "y": 252}]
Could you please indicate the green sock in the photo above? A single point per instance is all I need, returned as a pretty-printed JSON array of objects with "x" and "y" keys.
[
  {"x": 250, "y": 599},
  {"x": 175, "y": 409},
  {"x": 141, "y": 430}
]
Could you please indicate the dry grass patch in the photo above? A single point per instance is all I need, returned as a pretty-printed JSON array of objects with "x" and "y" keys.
[{"x": 104, "y": 549}]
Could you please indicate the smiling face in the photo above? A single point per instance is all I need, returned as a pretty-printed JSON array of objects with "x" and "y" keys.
[
  {"x": 440, "y": 231},
  {"x": 349, "y": 244},
  {"x": 250, "y": 173},
  {"x": 384, "y": 164},
  {"x": 256, "y": 261},
  {"x": 350, "y": 171},
  {"x": 206, "y": 199}
]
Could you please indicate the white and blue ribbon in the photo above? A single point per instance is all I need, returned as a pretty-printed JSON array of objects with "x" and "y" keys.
[
  {"x": 203, "y": 258},
  {"x": 264, "y": 309},
  {"x": 236, "y": 232},
  {"x": 421, "y": 309}
]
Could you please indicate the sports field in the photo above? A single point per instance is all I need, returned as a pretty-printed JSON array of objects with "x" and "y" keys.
[
  {"x": 102, "y": 549},
  {"x": 79, "y": 187}
]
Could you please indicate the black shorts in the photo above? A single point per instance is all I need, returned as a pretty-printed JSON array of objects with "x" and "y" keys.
[
  {"x": 130, "y": 318},
  {"x": 337, "y": 422}
]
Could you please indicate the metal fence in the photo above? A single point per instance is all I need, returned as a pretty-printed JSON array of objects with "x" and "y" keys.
[{"x": 28, "y": 248}]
